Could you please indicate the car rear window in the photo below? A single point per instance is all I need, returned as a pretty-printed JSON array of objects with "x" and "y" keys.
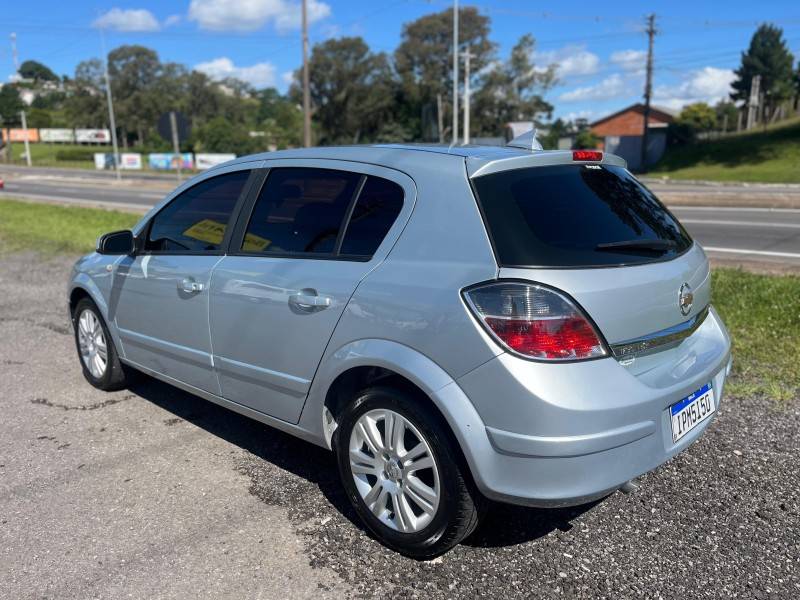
[{"x": 576, "y": 215}]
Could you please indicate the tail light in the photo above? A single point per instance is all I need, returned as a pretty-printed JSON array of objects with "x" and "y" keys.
[
  {"x": 590, "y": 155},
  {"x": 535, "y": 321}
]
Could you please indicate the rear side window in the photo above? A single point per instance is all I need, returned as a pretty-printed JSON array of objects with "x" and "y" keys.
[
  {"x": 196, "y": 220},
  {"x": 576, "y": 215},
  {"x": 377, "y": 208},
  {"x": 300, "y": 211}
]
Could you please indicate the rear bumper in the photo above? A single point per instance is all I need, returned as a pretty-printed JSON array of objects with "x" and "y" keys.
[{"x": 556, "y": 435}]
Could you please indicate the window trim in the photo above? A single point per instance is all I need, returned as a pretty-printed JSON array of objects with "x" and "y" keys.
[
  {"x": 247, "y": 209},
  {"x": 144, "y": 232}
]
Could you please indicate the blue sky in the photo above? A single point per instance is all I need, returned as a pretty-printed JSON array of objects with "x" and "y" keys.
[{"x": 599, "y": 47}]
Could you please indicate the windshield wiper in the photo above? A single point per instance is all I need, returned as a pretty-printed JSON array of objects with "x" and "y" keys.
[{"x": 656, "y": 245}]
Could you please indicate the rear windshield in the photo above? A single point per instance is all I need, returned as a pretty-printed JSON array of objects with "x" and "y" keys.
[{"x": 576, "y": 215}]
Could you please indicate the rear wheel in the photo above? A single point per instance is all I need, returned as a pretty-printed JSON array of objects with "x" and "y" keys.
[
  {"x": 99, "y": 359},
  {"x": 403, "y": 475}
]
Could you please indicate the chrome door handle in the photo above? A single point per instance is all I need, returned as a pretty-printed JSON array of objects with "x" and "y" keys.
[
  {"x": 190, "y": 286},
  {"x": 310, "y": 301}
]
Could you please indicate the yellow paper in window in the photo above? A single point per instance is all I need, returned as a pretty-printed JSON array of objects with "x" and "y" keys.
[
  {"x": 207, "y": 230},
  {"x": 254, "y": 243}
]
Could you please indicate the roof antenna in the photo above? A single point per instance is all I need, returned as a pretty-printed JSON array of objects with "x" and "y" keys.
[{"x": 526, "y": 141}]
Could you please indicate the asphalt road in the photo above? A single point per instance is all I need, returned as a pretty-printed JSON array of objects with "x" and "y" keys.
[
  {"x": 730, "y": 233},
  {"x": 153, "y": 493}
]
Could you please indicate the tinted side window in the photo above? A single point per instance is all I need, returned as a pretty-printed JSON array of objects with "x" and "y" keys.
[
  {"x": 196, "y": 220},
  {"x": 377, "y": 207},
  {"x": 300, "y": 210}
]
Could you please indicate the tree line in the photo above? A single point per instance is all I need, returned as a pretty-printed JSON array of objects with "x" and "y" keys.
[{"x": 358, "y": 95}]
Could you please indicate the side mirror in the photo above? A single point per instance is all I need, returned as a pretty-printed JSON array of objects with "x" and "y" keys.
[{"x": 116, "y": 242}]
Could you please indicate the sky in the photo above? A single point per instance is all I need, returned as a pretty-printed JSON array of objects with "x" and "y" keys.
[{"x": 599, "y": 47}]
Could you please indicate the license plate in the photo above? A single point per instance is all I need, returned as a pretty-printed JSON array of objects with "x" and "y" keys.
[{"x": 691, "y": 411}]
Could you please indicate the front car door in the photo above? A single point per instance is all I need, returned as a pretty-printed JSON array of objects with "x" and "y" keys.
[
  {"x": 315, "y": 230},
  {"x": 159, "y": 299}
]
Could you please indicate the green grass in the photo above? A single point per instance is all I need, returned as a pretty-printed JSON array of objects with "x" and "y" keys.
[
  {"x": 762, "y": 313},
  {"x": 44, "y": 155},
  {"x": 56, "y": 229},
  {"x": 771, "y": 156}
]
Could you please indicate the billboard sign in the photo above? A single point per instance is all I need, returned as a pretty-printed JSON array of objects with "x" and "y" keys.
[
  {"x": 167, "y": 161},
  {"x": 57, "y": 135},
  {"x": 127, "y": 160},
  {"x": 206, "y": 161},
  {"x": 19, "y": 135},
  {"x": 92, "y": 136}
]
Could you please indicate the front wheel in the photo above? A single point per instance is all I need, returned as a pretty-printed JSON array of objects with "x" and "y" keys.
[
  {"x": 403, "y": 475},
  {"x": 99, "y": 359}
]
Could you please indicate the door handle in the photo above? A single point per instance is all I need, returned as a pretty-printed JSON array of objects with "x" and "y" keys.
[
  {"x": 190, "y": 286},
  {"x": 310, "y": 301}
]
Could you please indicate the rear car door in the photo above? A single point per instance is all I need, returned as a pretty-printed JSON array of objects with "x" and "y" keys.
[
  {"x": 160, "y": 295},
  {"x": 314, "y": 231}
]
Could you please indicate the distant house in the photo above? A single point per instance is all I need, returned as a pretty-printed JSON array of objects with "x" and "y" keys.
[{"x": 621, "y": 133}]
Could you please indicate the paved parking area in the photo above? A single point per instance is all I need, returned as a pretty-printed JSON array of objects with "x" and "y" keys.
[{"x": 154, "y": 493}]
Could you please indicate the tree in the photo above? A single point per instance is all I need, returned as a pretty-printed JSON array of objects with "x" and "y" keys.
[
  {"x": 698, "y": 117},
  {"x": 424, "y": 62},
  {"x": 727, "y": 115},
  {"x": 557, "y": 129},
  {"x": 85, "y": 104},
  {"x": 280, "y": 118},
  {"x": 768, "y": 57},
  {"x": 31, "y": 69},
  {"x": 134, "y": 72},
  {"x": 39, "y": 117},
  {"x": 512, "y": 91},
  {"x": 352, "y": 91},
  {"x": 585, "y": 140},
  {"x": 10, "y": 104}
]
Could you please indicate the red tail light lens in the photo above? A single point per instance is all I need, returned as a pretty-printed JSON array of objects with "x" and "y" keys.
[
  {"x": 535, "y": 321},
  {"x": 591, "y": 155}
]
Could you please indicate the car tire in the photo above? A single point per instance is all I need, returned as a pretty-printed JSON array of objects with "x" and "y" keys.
[
  {"x": 92, "y": 340},
  {"x": 423, "y": 527}
]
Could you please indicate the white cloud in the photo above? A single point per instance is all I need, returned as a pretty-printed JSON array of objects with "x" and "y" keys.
[
  {"x": 631, "y": 61},
  {"x": 287, "y": 77},
  {"x": 129, "y": 19},
  {"x": 172, "y": 20},
  {"x": 708, "y": 84},
  {"x": 571, "y": 60},
  {"x": 610, "y": 87},
  {"x": 259, "y": 75},
  {"x": 250, "y": 15}
]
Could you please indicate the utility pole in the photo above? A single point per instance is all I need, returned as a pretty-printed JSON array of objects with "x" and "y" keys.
[
  {"x": 22, "y": 112},
  {"x": 467, "y": 56},
  {"x": 648, "y": 86},
  {"x": 455, "y": 72},
  {"x": 176, "y": 148},
  {"x": 306, "y": 91},
  {"x": 440, "y": 118},
  {"x": 753, "y": 101},
  {"x": 111, "y": 120}
]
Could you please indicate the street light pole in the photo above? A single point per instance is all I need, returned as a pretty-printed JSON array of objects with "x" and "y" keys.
[
  {"x": 22, "y": 112},
  {"x": 467, "y": 56},
  {"x": 111, "y": 120},
  {"x": 306, "y": 92},
  {"x": 455, "y": 72}
]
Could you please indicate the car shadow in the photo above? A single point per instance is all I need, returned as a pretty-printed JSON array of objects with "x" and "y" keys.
[{"x": 503, "y": 525}]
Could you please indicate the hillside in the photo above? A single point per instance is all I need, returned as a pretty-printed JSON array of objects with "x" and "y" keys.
[{"x": 771, "y": 156}]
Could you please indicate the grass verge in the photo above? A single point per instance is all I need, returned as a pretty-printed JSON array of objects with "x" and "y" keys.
[
  {"x": 762, "y": 312},
  {"x": 52, "y": 229},
  {"x": 771, "y": 156}
]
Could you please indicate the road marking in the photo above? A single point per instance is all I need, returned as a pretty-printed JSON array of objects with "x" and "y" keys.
[
  {"x": 758, "y": 252},
  {"x": 130, "y": 206},
  {"x": 741, "y": 223},
  {"x": 734, "y": 209}
]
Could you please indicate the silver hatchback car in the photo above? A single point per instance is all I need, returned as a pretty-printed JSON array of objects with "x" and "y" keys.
[{"x": 456, "y": 324}]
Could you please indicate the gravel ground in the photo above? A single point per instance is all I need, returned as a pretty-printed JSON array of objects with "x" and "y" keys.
[{"x": 152, "y": 492}]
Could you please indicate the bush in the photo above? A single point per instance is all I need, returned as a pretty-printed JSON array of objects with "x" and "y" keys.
[{"x": 76, "y": 154}]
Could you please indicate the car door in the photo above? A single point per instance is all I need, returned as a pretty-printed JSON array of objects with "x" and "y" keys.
[
  {"x": 159, "y": 299},
  {"x": 314, "y": 231}
]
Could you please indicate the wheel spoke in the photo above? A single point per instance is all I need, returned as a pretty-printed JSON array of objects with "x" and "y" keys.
[
  {"x": 421, "y": 490},
  {"x": 371, "y": 436},
  {"x": 414, "y": 453},
  {"x": 403, "y": 514},
  {"x": 425, "y": 462},
  {"x": 388, "y": 429},
  {"x": 362, "y": 464},
  {"x": 83, "y": 323}
]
